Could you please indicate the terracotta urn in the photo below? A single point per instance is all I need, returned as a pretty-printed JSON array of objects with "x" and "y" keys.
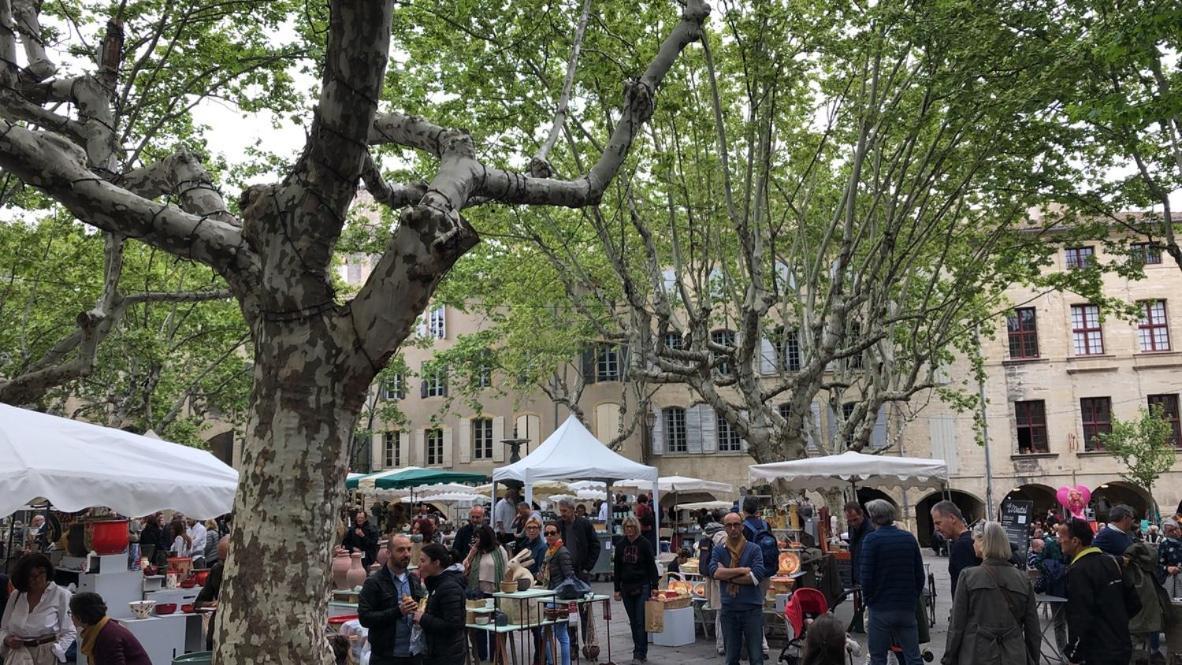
[
  {"x": 383, "y": 552},
  {"x": 341, "y": 562},
  {"x": 356, "y": 574}
]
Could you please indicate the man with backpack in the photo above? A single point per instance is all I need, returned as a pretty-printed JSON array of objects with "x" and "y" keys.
[
  {"x": 757, "y": 532},
  {"x": 1099, "y": 602}
]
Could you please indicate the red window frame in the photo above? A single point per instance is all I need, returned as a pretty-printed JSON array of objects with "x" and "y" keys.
[
  {"x": 1079, "y": 257},
  {"x": 1147, "y": 253},
  {"x": 1023, "y": 332},
  {"x": 1096, "y": 414},
  {"x": 1153, "y": 329},
  {"x": 1087, "y": 333},
  {"x": 1031, "y": 417},
  {"x": 1169, "y": 408}
]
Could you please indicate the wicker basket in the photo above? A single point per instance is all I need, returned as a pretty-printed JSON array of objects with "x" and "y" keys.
[{"x": 676, "y": 603}]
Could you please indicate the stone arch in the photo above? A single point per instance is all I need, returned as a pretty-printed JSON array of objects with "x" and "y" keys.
[
  {"x": 969, "y": 504},
  {"x": 1042, "y": 496},
  {"x": 1115, "y": 492}
]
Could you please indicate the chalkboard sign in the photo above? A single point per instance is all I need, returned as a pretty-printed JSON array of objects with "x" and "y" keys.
[{"x": 1015, "y": 517}]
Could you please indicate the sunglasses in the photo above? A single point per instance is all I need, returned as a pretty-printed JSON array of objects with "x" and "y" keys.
[
  {"x": 551, "y": 533},
  {"x": 733, "y": 526}
]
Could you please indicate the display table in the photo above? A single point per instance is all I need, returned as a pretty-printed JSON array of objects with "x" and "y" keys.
[{"x": 679, "y": 628}]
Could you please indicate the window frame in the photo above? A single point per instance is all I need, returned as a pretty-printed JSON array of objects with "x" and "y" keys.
[
  {"x": 1146, "y": 253},
  {"x": 1031, "y": 415},
  {"x": 729, "y": 440},
  {"x": 1084, "y": 333},
  {"x": 673, "y": 430},
  {"x": 1022, "y": 336},
  {"x": 395, "y": 388},
  {"x": 1148, "y": 328},
  {"x": 435, "y": 380},
  {"x": 1078, "y": 258},
  {"x": 433, "y": 446},
  {"x": 1165, "y": 400},
  {"x": 437, "y": 322},
  {"x": 678, "y": 341},
  {"x": 607, "y": 363},
  {"x": 482, "y": 450},
  {"x": 390, "y": 449},
  {"x": 723, "y": 337},
  {"x": 1091, "y": 410},
  {"x": 790, "y": 359}
]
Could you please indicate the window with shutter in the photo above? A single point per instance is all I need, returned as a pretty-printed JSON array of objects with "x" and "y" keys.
[{"x": 482, "y": 438}]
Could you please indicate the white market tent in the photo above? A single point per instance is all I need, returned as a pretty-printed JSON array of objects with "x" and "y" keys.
[
  {"x": 76, "y": 465},
  {"x": 815, "y": 473},
  {"x": 708, "y": 505},
  {"x": 573, "y": 453},
  {"x": 679, "y": 484}
]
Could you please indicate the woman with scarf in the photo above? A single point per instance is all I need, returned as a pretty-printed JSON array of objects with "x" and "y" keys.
[
  {"x": 635, "y": 579},
  {"x": 556, "y": 567},
  {"x": 485, "y": 567},
  {"x": 104, "y": 641}
]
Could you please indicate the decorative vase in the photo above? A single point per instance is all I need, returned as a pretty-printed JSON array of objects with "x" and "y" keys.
[
  {"x": 356, "y": 573},
  {"x": 383, "y": 553},
  {"x": 109, "y": 536},
  {"x": 341, "y": 563}
]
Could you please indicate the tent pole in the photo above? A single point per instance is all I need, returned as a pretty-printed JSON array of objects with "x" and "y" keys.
[{"x": 657, "y": 513}]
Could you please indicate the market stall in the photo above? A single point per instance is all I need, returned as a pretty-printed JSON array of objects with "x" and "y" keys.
[
  {"x": 673, "y": 488},
  {"x": 74, "y": 466}
]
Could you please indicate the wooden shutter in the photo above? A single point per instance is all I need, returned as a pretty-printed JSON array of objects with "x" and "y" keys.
[
  {"x": 709, "y": 420},
  {"x": 658, "y": 434},
  {"x": 442, "y": 322},
  {"x": 465, "y": 441},
  {"x": 498, "y": 435},
  {"x": 420, "y": 452},
  {"x": 443, "y": 372},
  {"x": 402, "y": 455},
  {"x": 767, "y": 356},
  {"x": 588, "y": 362},
  {"x": 693, "y": 428},
  {"x": 447, "y": 443},
  {"x": 878, "y": 438}
]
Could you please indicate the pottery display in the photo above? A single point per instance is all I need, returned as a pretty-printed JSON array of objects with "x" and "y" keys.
[
  {"x": 356, "y": 573},
  {"x": 141, "y": 609},
  {"x": 109, "y": 537},
  {"x": 789, "y": 563},
  {"x": 164, "y": 609},
  {"x": 181, "y": 565},
  {"x": 383, "y": 553},
  {"x": 341, "y": 562},
  {"x": 201, "y": 576}
]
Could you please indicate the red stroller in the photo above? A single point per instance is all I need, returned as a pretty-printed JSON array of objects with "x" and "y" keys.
[{"x": 803, "y": 607}]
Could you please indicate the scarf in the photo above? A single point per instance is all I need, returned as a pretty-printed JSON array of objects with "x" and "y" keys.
[
  {"x": 498, "y": 568},
  {"x": 90, "y": 636},
  {"x": 736, "y": 551},
  {"x": 550, "y": 552}
]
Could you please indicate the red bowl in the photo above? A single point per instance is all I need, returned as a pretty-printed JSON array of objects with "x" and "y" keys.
[
  {"x": 165, "y": 609},
  {"x": 187, "y": 609},
  {"x": 201, "y": 576},
  {"x": 188, "y": 583},
  {"x": 338, "y": 620}
]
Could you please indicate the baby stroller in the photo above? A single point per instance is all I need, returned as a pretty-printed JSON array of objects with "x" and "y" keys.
[{"x": 802, "y": 609}]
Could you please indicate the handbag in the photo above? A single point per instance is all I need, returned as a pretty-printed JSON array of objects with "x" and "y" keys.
[{"x": 572, "y": 588}]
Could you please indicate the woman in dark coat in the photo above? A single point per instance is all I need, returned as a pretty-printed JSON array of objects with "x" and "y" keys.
[
  {"x": 103, "y": 640},
  {"x": 557, "y": 566},
  {"x": 442, "y": 620},
  {"x": 994, "y": 621}
]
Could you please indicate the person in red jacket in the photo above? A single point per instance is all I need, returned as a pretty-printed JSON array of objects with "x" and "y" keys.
[{"x": 104, "y": 640}]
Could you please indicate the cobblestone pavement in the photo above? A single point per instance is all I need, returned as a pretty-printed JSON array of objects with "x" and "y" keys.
[{"x": 703, "y": 651}]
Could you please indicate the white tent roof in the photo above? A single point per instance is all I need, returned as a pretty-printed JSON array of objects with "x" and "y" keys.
[
  {"x": 836, "y": 470},
  {"x": 573, "y": 453},
  {"x": 708, "y": 505},
  {"x": 678, "y": 484},
  {"x": 76, "y": 465}
]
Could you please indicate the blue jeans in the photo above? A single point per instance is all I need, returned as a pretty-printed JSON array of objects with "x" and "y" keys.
[
  {"x": 893, "y": 627},
  {"x": 562, "y": 633},
  {"x": 634, "y": 606},
  {"x": 742, "y": 626}
]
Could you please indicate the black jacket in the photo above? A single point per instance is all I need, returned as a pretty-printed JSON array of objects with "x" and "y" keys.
[
  {"x": 377, "y": 610},
  {"x": 856, "y": 536},
  {"x": 443, "y": 621},
  {"x": 579, "y": 538},
  {"x": 635, "y": 566},
  {"x": 1099, "y": 604},
  {"x": 367, "y": 544},
  {"x": 961, "y": 555},
  {"x": 464, "y": 537}
]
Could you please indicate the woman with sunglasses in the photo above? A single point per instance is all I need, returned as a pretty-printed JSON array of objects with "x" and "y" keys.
[
  {"x": 534, "y": 542},
  {"x": 556, "y": 567},
  {"x": 36, "y": 627},
  {"x": 635, "y": 577}
]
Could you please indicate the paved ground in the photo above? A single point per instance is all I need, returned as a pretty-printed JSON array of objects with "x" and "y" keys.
[{"x": 702, "y": 651}]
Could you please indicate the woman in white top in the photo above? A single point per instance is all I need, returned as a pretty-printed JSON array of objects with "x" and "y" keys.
[{"x": 36, "y": 628}]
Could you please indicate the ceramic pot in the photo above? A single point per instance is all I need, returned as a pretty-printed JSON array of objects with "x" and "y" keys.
[
  {"x": 109, "y": 536},
  {"x": 340, "y": 567},
  {"x": 383, "y": 553},
  {"x": 356, "y": 574}
]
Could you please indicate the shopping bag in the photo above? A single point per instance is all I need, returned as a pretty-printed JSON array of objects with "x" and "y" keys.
[{"x": 654, "y": 616}]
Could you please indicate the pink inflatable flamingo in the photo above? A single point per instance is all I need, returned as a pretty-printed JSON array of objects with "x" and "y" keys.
[{"x": 1074, "y": 500}]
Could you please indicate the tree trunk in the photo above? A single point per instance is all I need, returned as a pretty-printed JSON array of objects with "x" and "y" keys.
[{"x": 274, "y": 597}]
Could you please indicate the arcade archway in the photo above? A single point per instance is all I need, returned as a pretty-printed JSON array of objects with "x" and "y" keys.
[
  {"x": 868, "y": 494},
  {"x": 1042, "y": 496},
  {"x": 972, "y": 507},
  {"x": 1117, "y": 492}
]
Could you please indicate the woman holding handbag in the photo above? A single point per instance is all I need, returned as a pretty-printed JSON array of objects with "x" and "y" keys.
[
  {"x": 994, "y": 620},
  {"x": 557, "y": 567},
  {"x": 635, "y": 576}
]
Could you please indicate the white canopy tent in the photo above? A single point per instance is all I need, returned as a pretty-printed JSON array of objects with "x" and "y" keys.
[
  {"x": 815, "y": 473},
  {"x": 76, "y": 465},
  {"x": 679, "y": 484},
  {"x": 573, "y": 453},
  {"x": 708, "y": 505}
]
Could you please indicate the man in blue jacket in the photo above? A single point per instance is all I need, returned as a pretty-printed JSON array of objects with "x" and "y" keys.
[
  {"x": 1115, "y": 538},
  {"x": 892, "y": 577},
  {"x": 738, "y": 566}
]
